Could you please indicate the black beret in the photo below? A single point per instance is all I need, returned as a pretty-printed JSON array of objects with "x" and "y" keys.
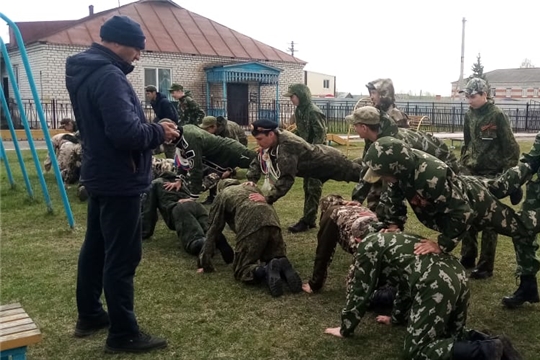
[{"x": 264, "y": 125}]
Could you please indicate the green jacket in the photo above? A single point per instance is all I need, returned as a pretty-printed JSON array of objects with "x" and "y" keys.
[
  {"x": 489, "y": 146},
  {"x": 190, "y": 112},
  {"x": 310, "y": 120},
  {"x": 230, "y": 129},
  {"x": 198, "y": 144},
  {"x": 293, "y": 156}
]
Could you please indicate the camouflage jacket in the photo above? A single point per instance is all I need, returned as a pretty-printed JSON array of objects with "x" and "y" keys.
[
  {"x": 230, "y": 129},
  {"x": 232, "y": 206},
  {"x": 293, "y": 156},
  {"x": 489, "y": 146},
  {"x": 190, "y": 112},
  {"x": 309, "y": 119},
  {"x": 388, "y": 258},
  {"x": 197, "y": 144},
  {"x": 353, "y": 222},
  {"x": 385, "y": 88},
  {"x": 437, "y": 196}
]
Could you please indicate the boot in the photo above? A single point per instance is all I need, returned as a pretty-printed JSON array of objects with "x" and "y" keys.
[
  {"x": 526, "y": 292},
  {"x": 516, "y": 196},
  {"x": 478, "y": 350},
  {"x": 85, "y": 328},
  {"x": 293, "y": 280},
  {"x": 227, "y": 253},
  {"x": 273, "y": 277},
  {"x": 483, "y": 271},
  {"x": 300, "y": 226},
  {"x": 509, "y": 352},
  {"x": 195, "y": 247},
  {"x": 467, "y": 262}
]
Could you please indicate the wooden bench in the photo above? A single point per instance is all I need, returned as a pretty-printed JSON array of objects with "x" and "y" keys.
[
  {"x": 17, "y": 331},
  {"x": 421, "y": 123}
]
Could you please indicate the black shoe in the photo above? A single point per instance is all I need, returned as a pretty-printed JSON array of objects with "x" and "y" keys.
[
  {"x": 136, "y": 344},
  {"x": 480, "y": 274},
  {"x": 85, "y": 328},
  {"x": 467, "y": 262},
  {"x": 293, "y": 280},
  {"x": 209, "y": 200},
  {"x": 526, "y": 292},
  {"x": 483, "y": 349},
  {"x": 227, "y": 252},
  {"x": 273, "y": 278},
  {"x": 300, "y": 226},
  {"x": 516, "y": 196}
]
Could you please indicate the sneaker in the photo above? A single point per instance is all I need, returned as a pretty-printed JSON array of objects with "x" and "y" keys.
[
  {"x": 136, "y": 344},
  {"x": 293, "y": 280},
  {"x": 273, "y": 277},
  {"x": 85, "y": 328},
  {"x": 300, "y": 226}
]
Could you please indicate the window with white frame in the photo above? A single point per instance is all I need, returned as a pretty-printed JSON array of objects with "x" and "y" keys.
[
  {"x": 326, "y": 84},
  {"x": 160, "y": 78},
  {"x": 535, "y": 92},
  {"x": 508, "y": 92},
  {"x": 524, "y": 92}
]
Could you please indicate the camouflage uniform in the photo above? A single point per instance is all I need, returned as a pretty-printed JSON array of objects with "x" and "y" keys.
[
  {"x": 385, "y": 88},
  {"x": 256, "y": 225},
  {"x": 190, "y": 112},
  {"x": 489, "y": 148},
  {"x": 230, "y": 129},
  {"x": 65, "y": 146},
  {"x": 446, "y": 202},
  {"x": 197, "y": 145},
  {"x": 432, "y": 294},
  {"x": 293, "y": 156},
  {"x": 310, "y": 126},
  {"x": 340, "y": 224},
  {"x": 189, "y": 219}
]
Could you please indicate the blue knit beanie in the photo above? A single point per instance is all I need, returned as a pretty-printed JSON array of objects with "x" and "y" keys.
[{"x": 124, "y": 31}]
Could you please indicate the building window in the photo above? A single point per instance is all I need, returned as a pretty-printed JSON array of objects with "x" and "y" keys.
[
  {"x": 492, "y": 92},
  {"x": 535, "y": 92},
  {"x": 508, "y": 92},
  {"x": 160, "y": 78},
  {"x": 326, "y": 84},
  {"x": 524, "y": 92}
]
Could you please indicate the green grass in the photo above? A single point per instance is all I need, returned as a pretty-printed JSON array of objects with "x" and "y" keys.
[{"x": 212, "y": 316}]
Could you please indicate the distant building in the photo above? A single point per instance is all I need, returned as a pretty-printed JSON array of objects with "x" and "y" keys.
[
  {"x": 320, "y": 85},
  {"x": 510, "y": 84}
]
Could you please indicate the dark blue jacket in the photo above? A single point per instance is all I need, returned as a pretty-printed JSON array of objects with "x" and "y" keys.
[
  {"x": 163, "y": 108},
  {"x": 117, "y": 141}
]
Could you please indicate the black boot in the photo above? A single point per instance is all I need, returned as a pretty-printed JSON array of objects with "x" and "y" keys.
[
  {"x": 467, "y": 262},
  {"x": 516, "y": 196},
  {"x": 227, "y": 253},
  {"x": 273, "y": 277},
  {"x": 300, "y": 226},
  {"x": 509, "y": 352},
  {"x": 87, "y": 327},
  {"x": 526, "y": 292},
  {"x": 195, "y": 247},
  {"x": 478, "y": 350},
  {"x": 293, "y": 280}
]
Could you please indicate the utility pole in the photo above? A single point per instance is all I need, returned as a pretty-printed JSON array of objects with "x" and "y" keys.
[
  {"x": 292, "y": 49},
  {"x": 460, "y": 83}
]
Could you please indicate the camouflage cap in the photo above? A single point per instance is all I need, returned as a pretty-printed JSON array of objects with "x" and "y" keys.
[
  {"x": 150, "y": 88},
  {"x": 388, "y": 156},
  {"x": 365, "y": 115},
  {"x": 176, "y": 87},
  {"x": 475, "y": 86},
  {"x": 208, "y": 121}
]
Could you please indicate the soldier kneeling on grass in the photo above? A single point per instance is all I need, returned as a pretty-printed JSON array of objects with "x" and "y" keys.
[{"x": 260, "y": 253}]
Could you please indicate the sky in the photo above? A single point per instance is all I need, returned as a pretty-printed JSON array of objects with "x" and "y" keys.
[{"x": 416, "y": 43}]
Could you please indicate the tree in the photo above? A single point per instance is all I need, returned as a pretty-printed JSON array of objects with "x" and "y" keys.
[
  {"x": 478, "y": 70},
  {"x": 526, "y": 63}
]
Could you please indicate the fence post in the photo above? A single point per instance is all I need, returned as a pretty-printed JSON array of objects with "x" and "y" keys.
[
  {"x": 453, "y": 118},
  {"x": 53, "y": 105},
  {"x": 527, "y": 117}
]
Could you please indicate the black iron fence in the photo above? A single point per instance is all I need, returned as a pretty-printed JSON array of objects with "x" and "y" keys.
[{"x": 446, "y": 117}]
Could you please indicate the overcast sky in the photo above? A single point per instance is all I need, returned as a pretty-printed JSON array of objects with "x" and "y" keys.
[{"x": 417, "y": 43}]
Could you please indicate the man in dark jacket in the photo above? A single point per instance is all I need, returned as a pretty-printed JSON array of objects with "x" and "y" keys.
[
  {"x": 116, "y": 170},
  {"x": 163, "y": 110}
]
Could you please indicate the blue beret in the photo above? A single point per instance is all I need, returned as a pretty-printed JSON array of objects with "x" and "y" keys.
[{"x": 124, "y": 31}]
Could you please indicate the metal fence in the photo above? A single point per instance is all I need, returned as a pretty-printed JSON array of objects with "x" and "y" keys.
[{"x": 446, "y": 117}]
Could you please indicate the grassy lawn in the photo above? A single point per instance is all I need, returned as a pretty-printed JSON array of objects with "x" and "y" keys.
[{"x": 212, "y": 316}]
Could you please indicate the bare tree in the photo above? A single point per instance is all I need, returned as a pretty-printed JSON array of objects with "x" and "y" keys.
[{"x": 526, "y": 63}]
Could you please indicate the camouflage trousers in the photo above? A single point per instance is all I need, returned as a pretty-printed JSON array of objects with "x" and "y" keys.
[
  {"x": 189, "y": 219},
  {"x": 255, "y": 250},
  {"x": 312, "y": 196},
  {"x": 438, "y": 312}
]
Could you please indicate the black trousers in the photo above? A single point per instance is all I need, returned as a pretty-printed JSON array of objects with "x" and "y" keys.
[{"x": 109, "y": 256}]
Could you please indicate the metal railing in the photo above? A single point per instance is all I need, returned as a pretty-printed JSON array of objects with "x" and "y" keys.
[{"x": 446, "y": 117}]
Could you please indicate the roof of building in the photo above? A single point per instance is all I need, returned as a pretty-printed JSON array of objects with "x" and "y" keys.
[
  {"x": 519, "y": 75},
  {"x": 168, "y": 28}
]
